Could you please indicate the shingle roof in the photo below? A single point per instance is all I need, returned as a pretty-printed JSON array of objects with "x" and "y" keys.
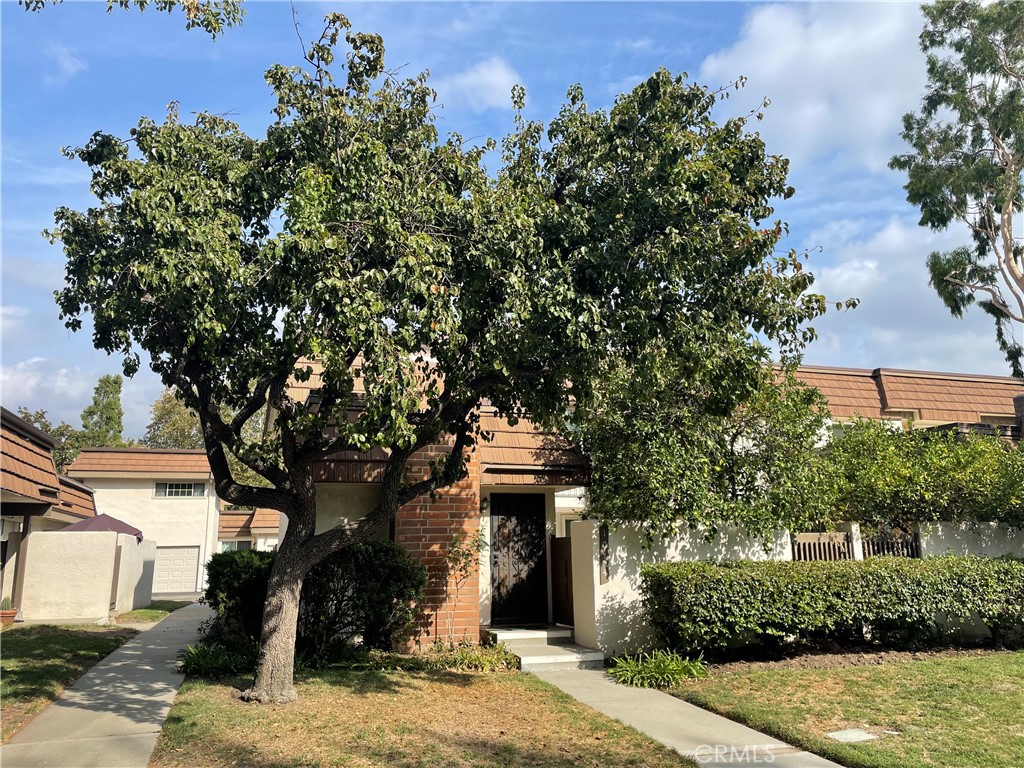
[
  {"x": 525, "y": 455},
  {"x": 241, "y": 523},
  {"x": 924, "y": 395},
  {"x": 76, "y": 498},
  {"x": 26, "y": 461},
  {"x": 100, "y": 461}
]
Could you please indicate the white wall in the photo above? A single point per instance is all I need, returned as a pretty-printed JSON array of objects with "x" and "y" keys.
[
  {"x": 986, "y": 539},
  {"x": 68, "y": 576},
  {"x": 343, "y": 502},
  {"x": 608, "y": 616},
  {"x": 136, "y": 566},
  {"x": 168, "y": 521},
  {"x": 265, "y": 543}
]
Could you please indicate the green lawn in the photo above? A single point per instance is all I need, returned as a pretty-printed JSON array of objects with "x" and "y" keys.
[
  {"x": 960, "y": 712},
  {"x": 155, "y": 611},
  {"x": 401, "y": 719},
  {"x": 38, "y": 662}
]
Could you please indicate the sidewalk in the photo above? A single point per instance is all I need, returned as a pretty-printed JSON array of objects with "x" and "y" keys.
[
  {"x": 111, "y": 717},
  {"x": 708, "y": 738}
]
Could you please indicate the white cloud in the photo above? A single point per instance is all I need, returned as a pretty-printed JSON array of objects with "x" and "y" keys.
[
  {"x": 12, "y": 321},
  {"x": 63, "y": 390},
  {"x": 634, "y": 44},
  {"x": 64, "y": 63},
  {"x": 839, "y": 75},
  {"x": 901, "y": 322},
  {"x": 39, "y": 382},
  {"x": 483, "y": 86}
]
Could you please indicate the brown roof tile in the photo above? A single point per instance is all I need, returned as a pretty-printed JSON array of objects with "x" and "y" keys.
[
  {"x": 925, "y": 395},
  {"x": 76, "y": 498},
  {"x": 525, "y": 455},
  {"x": 98, "y": 461},
  {"x": 26, "y": 461}
]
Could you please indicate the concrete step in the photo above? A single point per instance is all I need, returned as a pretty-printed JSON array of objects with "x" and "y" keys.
[
  {"x": 534, "y": 657},
  {"x": 542, "y": 636}
]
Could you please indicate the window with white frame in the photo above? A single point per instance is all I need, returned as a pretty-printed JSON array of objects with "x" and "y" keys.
[
  {"x": 234, "y": 546},
  {"x": 179, "y": 490}
]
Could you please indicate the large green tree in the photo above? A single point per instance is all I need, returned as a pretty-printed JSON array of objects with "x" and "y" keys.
[
  {"x": 353, "y": 234},
  {"x": 103, "y": 418},
  {"x": 670, "y": 447},
  {"x": 968, "y": 159}
]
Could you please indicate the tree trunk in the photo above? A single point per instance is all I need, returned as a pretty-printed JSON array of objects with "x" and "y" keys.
[{"x": 275, "y": 670}]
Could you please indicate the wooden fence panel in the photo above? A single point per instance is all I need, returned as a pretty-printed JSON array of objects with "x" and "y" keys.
[
  {"x": 905, "y": 545},
  {"x": 822, "y": 546}
]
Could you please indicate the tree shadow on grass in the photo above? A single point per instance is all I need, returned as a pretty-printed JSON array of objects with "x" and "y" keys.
[
  {"x": 362, "y": 682},
  {"x": 39, "y": 661}
]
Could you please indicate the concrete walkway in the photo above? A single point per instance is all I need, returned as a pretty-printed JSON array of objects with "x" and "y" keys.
[
  {"x": 112, "y": 715},
  {"x": 708, "y": 738}
]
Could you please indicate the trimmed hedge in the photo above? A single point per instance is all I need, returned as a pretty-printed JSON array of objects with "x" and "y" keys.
[{"x": 697, "y": 606}]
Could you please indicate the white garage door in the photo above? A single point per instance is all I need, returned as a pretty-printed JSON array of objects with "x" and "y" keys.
[{"x": 176, "y": 569}]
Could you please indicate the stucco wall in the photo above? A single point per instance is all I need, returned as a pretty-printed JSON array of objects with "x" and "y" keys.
[
  {"x": 68, "y": 576},
  {"x": 987, "y": 539},
  {"x": 170, "y": 522},
  {"x": 337, "y": 502},
  {"x": 135, "y": 573},
  {"x": 609, "y": 616}
]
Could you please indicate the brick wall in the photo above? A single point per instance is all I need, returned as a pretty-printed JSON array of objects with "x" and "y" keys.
[{"x": 426, "y": 530}]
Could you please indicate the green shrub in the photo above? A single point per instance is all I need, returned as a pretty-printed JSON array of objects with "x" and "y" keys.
[
  {"x": 236, "y": 588},
  {"x": 466, "y": 655},
  {"x": 657, "y": 669},
  {"x": 701, "y": 606},
  {"x": 368, "y": 589},
  {"x": 215, "y": 660}
]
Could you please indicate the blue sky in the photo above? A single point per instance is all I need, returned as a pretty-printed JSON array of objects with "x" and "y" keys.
[{"x": 839, "y": 77}]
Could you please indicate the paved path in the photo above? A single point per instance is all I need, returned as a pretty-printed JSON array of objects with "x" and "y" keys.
[
  {"x": 708, "y": 738},
  {"x": 112, "y": 715}
]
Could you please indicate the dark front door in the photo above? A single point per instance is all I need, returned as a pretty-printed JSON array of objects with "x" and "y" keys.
[{"x": 519, "y": 576}]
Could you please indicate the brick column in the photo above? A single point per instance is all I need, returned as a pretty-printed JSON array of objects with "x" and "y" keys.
[{"x": 426, "y": 530}]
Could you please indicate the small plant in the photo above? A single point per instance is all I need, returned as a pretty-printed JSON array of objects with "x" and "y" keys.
[
  {"x": 460, "y": 562},
  {"x": 215, "y": 660},
  {"x": 466, "y": 655},
  {"x": 6, "y": 605},
  {"x": 657, "y": 669}
]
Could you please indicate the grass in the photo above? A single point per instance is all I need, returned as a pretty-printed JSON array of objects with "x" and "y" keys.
[
  {"x": 39, "y": 661},
  {"x": 400, "y": 719},
  {"x": 963, "y": 712},
  {"x": 155, "y": 611}
]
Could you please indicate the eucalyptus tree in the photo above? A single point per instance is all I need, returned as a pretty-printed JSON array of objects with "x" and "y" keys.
[
  {"x": 968, "y": 159},
  {"x": 355, "y": 235}
]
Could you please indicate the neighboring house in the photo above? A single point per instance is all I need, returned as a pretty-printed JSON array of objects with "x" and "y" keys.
[
  {"x": 168, "y": 495},
  {"x": 52, "y": 571},
  {"x": 921, "y": 399},
  {"x": 248, "y": 529},
  {"x": 33, "y": 497}
]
